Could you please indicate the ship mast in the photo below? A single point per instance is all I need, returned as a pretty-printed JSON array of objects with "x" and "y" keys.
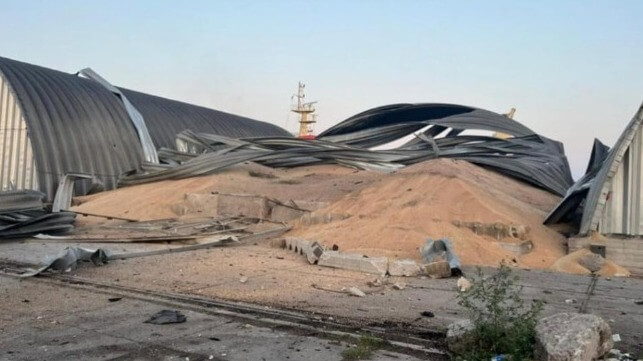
[{"x": 305, "y": 110}]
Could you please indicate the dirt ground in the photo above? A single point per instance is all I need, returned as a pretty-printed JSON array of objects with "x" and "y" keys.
[
  {"x": 40, "y": 321},
  {"x": 281, "y": 279}
]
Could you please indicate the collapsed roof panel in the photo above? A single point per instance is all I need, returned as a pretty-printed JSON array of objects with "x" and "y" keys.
[
  {"x": 449, "y": 115},
  {"x": 23, "y": 214},
  {"x": 607, "y": 199},
  {"x": 527, "y": 156}
]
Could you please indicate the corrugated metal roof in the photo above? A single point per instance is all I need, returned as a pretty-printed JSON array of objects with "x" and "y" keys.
[
  {"x": 77, "y": 125},
  {"x": 585, "y": 203},
  {"x": 165, "y": 118}
]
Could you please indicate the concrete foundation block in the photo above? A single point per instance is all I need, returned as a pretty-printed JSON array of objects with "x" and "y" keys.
[
  {"x": 281, "y": 213},
  {"x": 242, "y": 204},
  {"x": 354, "y": 262},
  {"x": 403, "y": 267},
  {"x": 312, "y": 250},
  {"x": 439, "y": 269}
]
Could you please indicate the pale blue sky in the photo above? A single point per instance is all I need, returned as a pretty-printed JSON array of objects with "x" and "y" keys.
[{"x": 573, "y": 69}]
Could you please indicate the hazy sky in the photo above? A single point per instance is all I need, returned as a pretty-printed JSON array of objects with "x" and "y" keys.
[{"x": 573, "y": 69}]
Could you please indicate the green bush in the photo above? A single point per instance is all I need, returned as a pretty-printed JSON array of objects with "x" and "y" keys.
[{"x": 502, "y": 323}]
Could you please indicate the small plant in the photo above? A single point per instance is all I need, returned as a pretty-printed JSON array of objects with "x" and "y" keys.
[
  {"x": 502, "y": 323},
  {"x": 364, "y": 349}
]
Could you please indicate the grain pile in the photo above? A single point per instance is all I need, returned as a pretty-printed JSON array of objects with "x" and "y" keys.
[
  {"x": 379, "y": 214},
  {"x": 393, "y": 216},
  {"x": 585, "y": 262},
  {"x": 158, "y": 200}
]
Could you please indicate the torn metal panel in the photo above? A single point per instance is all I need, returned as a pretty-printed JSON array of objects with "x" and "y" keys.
[
  {"x": 149, "y": 149},
  {"x": 607, "y": 198},
  {"x": 22, "y": 214},
  {"x": 447, "y": 115},
  {"x": 531, "y": 157},
  {"x": 69, "y": 259},
  {"x": 65, "y": 191},
  {"x": 24, "y": 224}
]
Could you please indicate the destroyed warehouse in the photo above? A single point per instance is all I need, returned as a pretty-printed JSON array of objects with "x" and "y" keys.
[{"x": 79, "y": 134}]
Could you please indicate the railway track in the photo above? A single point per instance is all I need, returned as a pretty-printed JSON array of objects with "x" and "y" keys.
[{"x": 403, "y": 338}]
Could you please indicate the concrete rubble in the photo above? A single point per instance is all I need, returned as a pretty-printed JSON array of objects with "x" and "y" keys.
[
  {"x": 572, "y": 337},
  {"x": 354, "y": 291},
  {"x": 312, "y": 250},
  {"x": 355, "y": 262},
  {"x": 439, "y": 269},
  {"x": 404, "y": 267}
]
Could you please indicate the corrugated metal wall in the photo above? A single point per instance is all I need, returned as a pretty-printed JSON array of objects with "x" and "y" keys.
[
  {"x": 17, "y": 164},
  {"x": 76, "y": 125},
  {"x": 622, "y": 212}
]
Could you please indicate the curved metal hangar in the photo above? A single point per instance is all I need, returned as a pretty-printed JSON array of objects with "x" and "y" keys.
[{"x": 54, "y": 123}]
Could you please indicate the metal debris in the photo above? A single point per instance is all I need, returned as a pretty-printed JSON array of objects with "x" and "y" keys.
[
  {"x": 65, "y": 190},
  {"x": 23, "y": 214},
  {"x": 526, "y": 155},
  {"x": 69, "y": 259},
  {"x": 165, "y": 317},
  {"x": 439, "y": 250}
]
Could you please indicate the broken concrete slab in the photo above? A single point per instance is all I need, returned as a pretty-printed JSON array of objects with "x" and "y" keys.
[
  {"x": 439, "y": 269},
  {"x": 220, "y": 204},
  {"x": 243, "y": 204},
  {"x": 323, "y": 218},
  {"x": 496, "y": 230},
  {"x": 312, "y": 250},
  {"x": 355, "y": 262},
  {"x": 518, "y": 248},
  {"x": 572, "y": 337},
  {"x": 404, "y": 267},
  {"x": 284, "y": 213}
]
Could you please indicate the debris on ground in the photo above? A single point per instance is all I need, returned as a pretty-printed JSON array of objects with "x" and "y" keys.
[
  {"x": 438, "y": 269},
  {"x": 354, "y": 291},
  {"x": 439, "y": 250},
  {"x": 572, "y": 336},
  {"x": 463, "y": 284},
  {"x": 23, "y": 214},
  {"x": 354, "y": 261},
  {"x": 377, "y": 282},
  {"x": 399, "y": 286},
  {"x": 428, "y": 314},
  {"x": 167, "y": 317},
  {"x": 68, "y": 259},
  {"x": 403, "y": 267}
]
